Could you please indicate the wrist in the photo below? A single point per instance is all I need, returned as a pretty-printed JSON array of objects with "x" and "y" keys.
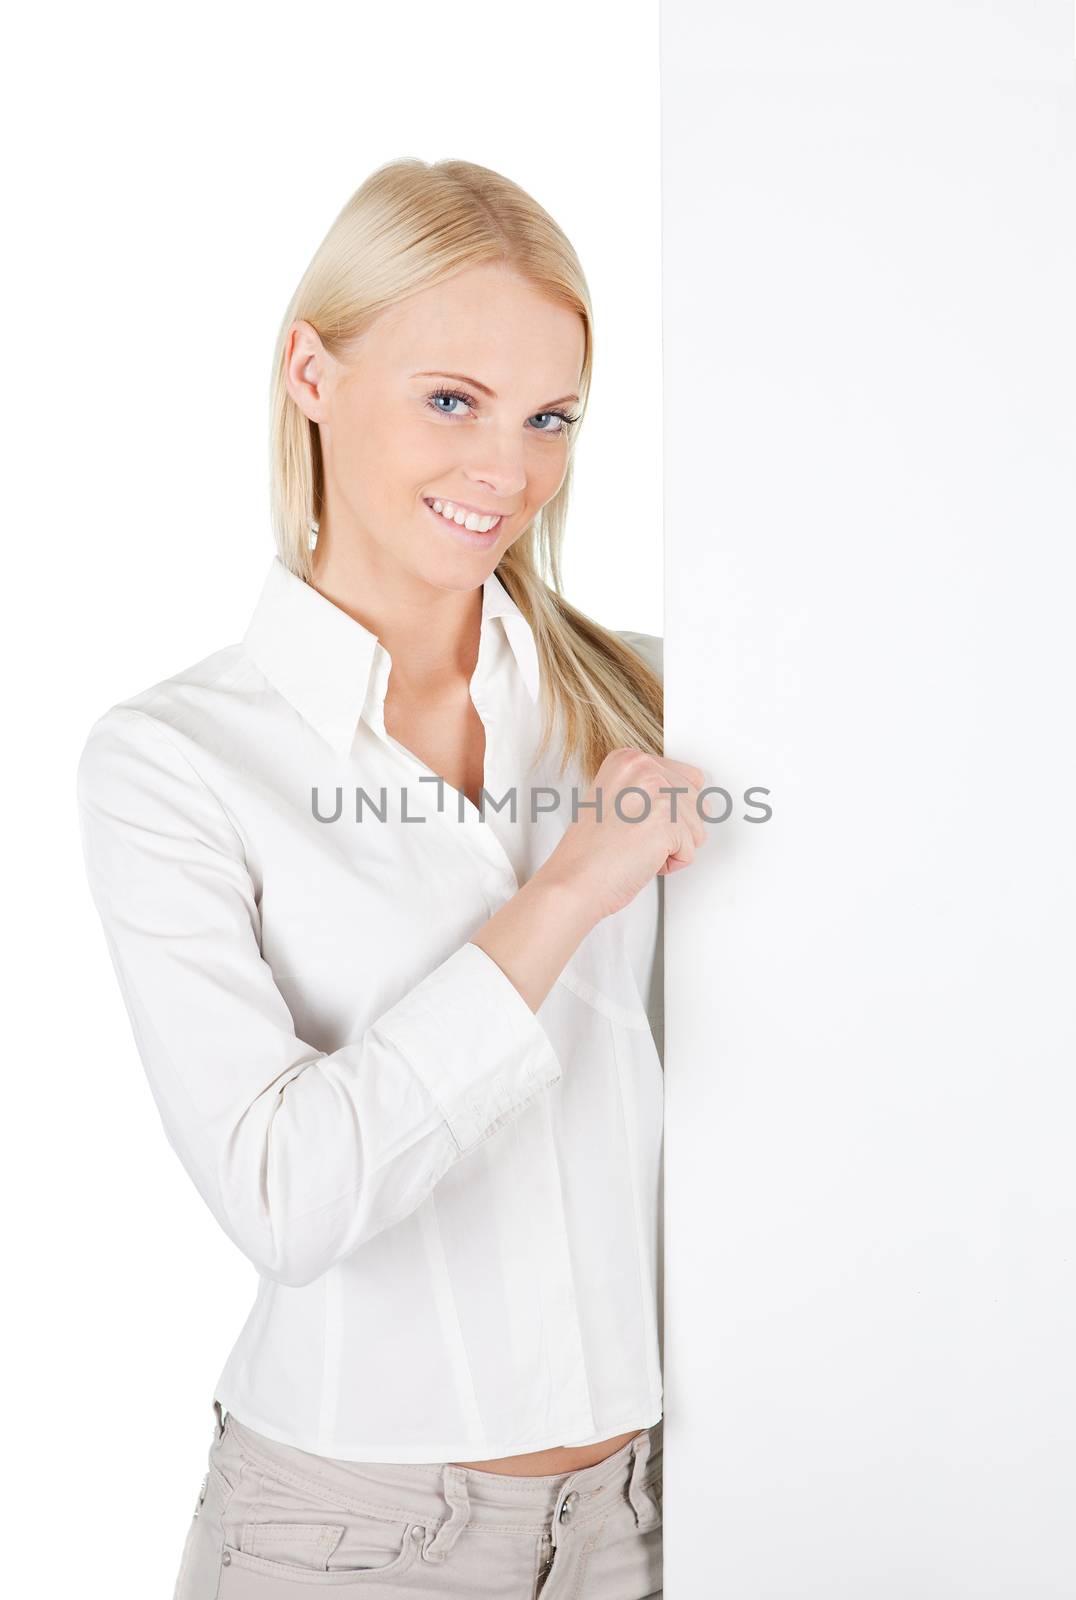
[{"x": 568, "y": 894}]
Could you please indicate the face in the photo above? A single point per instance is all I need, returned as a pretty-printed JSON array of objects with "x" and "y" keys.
[{"x": 461, "y": 396}]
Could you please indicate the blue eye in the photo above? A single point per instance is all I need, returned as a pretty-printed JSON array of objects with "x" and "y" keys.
[
  {"x": 432, "y": 400},
  {"x": 565, "y": 421},
  {"x": 449, "y": 394}
]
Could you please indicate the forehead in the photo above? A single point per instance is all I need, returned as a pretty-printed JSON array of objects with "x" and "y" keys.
[{"x": 487, "y": 322}]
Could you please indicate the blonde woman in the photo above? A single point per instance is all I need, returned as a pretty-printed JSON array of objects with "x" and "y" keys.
[{"x": 392, "y": 975}]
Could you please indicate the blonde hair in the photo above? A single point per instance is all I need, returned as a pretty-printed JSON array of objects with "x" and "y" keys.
[{"x": 410, "y": 225}]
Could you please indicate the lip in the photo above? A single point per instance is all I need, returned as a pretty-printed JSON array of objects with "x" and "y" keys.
[
  {"x": 447, "y": 500},
  {"x": 477, "y": 541}
]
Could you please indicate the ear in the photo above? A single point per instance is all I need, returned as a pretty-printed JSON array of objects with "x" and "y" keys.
[{"x": 307, "y": 366}]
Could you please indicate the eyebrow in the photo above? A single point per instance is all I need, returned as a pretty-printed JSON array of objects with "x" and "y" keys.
[{"x": 461, "y": 377}]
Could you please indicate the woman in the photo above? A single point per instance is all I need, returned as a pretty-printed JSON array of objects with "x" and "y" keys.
[{"x": 387, "y": 985}]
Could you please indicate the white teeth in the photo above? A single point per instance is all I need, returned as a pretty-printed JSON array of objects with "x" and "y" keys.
[{"x": 462, "y": 518}]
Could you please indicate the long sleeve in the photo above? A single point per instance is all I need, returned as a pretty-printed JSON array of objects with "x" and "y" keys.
[{"x": 300, "y": 1154}]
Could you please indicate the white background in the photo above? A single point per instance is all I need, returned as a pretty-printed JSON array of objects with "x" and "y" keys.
[
  {"x": 868, "y": 427},
  {"x": 170, "y": 171},
  {"x": 869, "y": 255}
]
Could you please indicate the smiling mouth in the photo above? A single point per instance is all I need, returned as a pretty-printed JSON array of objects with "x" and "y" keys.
[{"x": 484, "y": 522}]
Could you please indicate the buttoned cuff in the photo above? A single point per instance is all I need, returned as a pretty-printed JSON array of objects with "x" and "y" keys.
[{"x": 470, "y": 1037}]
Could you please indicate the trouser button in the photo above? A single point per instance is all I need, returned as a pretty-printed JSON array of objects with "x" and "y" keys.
[{"x": 568, "y": 1505}]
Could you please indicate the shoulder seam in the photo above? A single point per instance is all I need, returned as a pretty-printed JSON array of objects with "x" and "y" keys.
[{"x": 158, "y": 727}]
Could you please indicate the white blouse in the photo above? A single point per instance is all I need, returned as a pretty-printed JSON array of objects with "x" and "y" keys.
[{"x": 453, "y": 1203}]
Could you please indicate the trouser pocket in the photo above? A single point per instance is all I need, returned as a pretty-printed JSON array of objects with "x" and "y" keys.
[
  {"x": 249, "y": 1577},
  {"x": 279, "y": 1536},
  {"x": 200, "y": 1561}
]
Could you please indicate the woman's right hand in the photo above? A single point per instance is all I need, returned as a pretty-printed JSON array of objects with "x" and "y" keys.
[{"x": 610, "y": 860}]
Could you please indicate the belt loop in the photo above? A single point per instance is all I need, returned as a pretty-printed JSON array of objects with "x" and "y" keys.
[
  {"x": 218, "y": 1432},
  {"x": 454, "y": 1486},
  {"x": 643, "y": 1503}
]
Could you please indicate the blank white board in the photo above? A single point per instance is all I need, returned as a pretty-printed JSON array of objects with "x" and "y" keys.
[{"x": 869, "y": 252}]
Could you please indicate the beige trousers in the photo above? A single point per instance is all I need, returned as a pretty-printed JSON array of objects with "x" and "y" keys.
[{"x": 276, "y": 1523}]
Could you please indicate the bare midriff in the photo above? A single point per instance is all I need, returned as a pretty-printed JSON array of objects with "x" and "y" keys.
[{"x": 557, "y": 1459}]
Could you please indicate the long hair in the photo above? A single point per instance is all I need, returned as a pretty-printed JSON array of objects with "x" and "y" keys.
[{"x": 410, "y": 225}]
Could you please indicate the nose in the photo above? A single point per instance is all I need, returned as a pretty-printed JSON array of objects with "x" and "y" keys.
[{"x": 498, "y": 469}]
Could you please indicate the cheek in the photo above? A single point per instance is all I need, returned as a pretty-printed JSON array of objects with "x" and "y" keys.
[
  {"x": 377, "y": 457},
  {"x": 548, "y": 472},
  {"x": 408, "y": 455}
]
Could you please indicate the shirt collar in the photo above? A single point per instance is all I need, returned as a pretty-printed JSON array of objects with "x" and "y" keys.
[{"x": 322, "y": 661}]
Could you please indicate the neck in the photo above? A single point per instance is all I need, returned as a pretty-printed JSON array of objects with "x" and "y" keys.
[{"x": 431, "y": 634}]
